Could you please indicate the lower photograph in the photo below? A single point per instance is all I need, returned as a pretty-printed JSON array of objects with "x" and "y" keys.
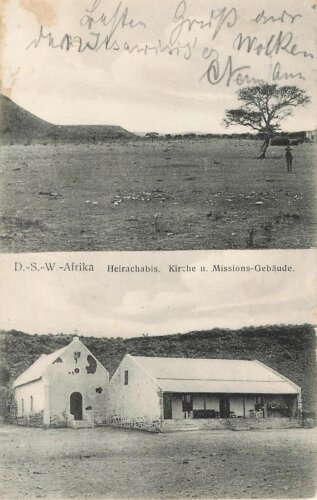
[{"x": 169, "y": 408}]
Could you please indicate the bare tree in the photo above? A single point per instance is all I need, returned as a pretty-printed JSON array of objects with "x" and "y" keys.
[{"x": 264, "y": 108}]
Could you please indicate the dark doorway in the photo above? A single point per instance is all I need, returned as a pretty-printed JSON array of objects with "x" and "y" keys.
[
  {"x": 187, "y": 404},
  {"x": 76, "y": 405},
  {"x": 224, "y": 406},
  {"x": 167, "y": 405}
]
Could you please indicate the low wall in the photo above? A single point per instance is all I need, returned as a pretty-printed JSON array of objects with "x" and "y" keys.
[
  {"x": 263, "y": 423},
  {"x": 139, "y": 423},
  {"x": 234, "y": 424},
  {"x": 29, "y": 420},
  {"x": 58, "y": 420}
]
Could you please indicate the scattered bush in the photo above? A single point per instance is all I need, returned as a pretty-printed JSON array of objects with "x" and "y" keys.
[{"x": 280, "y": 141}]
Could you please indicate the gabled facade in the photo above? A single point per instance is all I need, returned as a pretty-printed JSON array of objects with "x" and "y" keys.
[
  {"x": 65, "y": 388},
  {"x": 158, "y": 394},
  {"x": 134, "y": 397}
]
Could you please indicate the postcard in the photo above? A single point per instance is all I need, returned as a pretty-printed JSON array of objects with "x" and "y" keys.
[
  {"x": 158, "y": 249},
  {"x": 157, "y": 126}
]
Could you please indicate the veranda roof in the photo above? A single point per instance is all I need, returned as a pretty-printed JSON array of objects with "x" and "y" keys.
[{"x": 193, "y": 375}]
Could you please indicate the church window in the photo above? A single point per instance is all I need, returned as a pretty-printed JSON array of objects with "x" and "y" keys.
[{"x": 76, "y": 356}]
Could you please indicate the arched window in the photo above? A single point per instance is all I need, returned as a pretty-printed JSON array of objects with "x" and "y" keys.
[
  {"x": 31, "y": 403},
  {"x": 22, "y": 405}
]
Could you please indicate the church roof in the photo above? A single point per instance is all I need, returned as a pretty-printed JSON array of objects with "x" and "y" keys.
[{"x": 38, "y": 369}]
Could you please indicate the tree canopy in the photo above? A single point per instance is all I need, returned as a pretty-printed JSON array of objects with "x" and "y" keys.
[{"x": 264, "y": 107}]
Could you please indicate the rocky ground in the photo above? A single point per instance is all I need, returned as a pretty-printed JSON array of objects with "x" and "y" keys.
[
  {"x": 161, "y": 195},
  {"x": 114, "y": 463}
]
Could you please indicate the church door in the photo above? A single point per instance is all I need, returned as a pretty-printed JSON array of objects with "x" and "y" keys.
[{"x": 76, "y": 405}]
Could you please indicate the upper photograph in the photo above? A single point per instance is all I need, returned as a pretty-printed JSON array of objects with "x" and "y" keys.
[{"x": 161, "y": 125}]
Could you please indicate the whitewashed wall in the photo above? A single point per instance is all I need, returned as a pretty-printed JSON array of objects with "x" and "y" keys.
[
  {"x": 71, "y": 374},
  {"x": 137, "y": 404},
  {"x": 34, "y": 389}
]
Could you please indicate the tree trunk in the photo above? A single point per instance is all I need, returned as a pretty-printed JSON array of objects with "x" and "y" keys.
[{"x": 264, "y": 147}]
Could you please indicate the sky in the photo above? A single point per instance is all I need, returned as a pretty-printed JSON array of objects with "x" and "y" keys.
[
  {"x": 153, "y": 92},
  {"x": 125, "y": 305}
]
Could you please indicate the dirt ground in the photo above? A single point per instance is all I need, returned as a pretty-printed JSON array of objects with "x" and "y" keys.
[
  {"x": 139, "y": 195},
  {"x": 115, "y": 463}
]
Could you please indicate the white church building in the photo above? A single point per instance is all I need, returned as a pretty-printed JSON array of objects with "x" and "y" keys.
[
  {"x": 67, "y": 388},
  {"x": 70, "y": 388}
]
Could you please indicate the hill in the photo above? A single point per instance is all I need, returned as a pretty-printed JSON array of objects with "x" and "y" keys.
[
  {"x": 289, "y": 349},
  {"x": 19, "y": 126}
]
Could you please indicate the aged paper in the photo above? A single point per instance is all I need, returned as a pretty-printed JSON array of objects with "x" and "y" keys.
[
  {"x": 158, "y": 249},
  {"x": 136, "y": 98}
]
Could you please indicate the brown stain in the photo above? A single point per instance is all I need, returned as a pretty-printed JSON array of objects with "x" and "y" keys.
[
  {"x": 2, "y": 38},
  {"x": 43, "y": 10},
  {"x": 7, "y": 91}
]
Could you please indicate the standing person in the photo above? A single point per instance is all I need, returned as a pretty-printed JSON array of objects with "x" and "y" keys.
[{"x": 289, "y": 159}]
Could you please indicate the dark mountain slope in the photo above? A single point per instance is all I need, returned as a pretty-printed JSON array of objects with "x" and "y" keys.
[{"x": 18, "y": 126}]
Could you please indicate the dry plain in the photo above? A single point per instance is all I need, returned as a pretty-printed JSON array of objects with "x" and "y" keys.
[
  {"x": 115, "y": 463},
  {"x": 160, "y": 195}
]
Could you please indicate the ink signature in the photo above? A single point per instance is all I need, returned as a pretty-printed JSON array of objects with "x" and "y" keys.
[
  {"x": 263, "y": 18},
  {"x": 217, "y": 19},
  {"x": 106, "y": 31},
  {"x": 276, "y": 43},
  {"x": 119, "y": 18}
]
